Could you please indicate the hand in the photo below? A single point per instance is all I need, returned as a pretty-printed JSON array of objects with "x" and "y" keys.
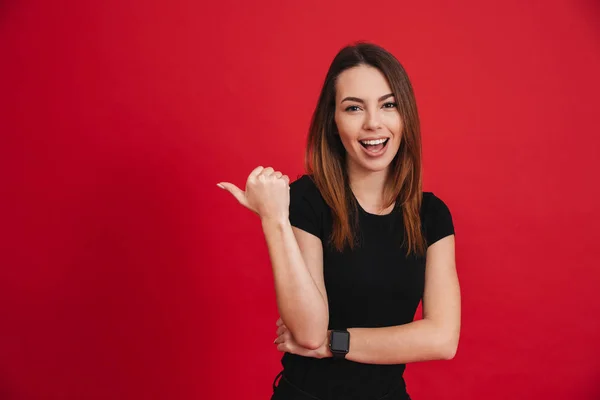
[
  {"x": 267, "y": 193},
  {"x": 286, "y": 343}
]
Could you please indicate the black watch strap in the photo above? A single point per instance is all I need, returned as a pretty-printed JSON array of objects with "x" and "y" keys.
[{"x": 339, "y": 343}]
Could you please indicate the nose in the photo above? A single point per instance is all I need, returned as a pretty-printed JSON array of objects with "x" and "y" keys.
[{"x": 372, "y": 121}]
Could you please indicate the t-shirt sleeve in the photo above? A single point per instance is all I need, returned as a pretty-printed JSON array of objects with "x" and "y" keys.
[
  {"x": 438, "y": 223},
  {"x": 305, "y": 206}
]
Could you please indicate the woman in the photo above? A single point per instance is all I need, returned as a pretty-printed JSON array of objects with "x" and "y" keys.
[{"x": 355, "y": 244}]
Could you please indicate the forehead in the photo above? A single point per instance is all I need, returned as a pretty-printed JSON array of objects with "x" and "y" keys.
[{"x": 362, "y": 81}]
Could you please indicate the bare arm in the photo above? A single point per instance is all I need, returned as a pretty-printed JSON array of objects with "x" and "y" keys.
[
  {"x": 435, "y": 337},
  {"x": 297, "y": 262},
  {"x": 296, "y": 256}
]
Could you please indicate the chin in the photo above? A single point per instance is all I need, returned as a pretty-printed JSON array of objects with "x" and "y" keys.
[{"x": 374, "y": 165}]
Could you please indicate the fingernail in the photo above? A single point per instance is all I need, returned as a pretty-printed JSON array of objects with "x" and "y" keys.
[{"x": 221, "y": 186}]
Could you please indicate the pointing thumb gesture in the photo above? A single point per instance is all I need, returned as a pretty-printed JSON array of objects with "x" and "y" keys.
[
  {"x": 266, "y": 194},
  {"x": 236, "y": 192}
]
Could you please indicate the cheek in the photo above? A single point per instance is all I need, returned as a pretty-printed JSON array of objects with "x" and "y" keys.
[
  {"x": 347, "y": 127},
  {"x": 394, "y": 124}
]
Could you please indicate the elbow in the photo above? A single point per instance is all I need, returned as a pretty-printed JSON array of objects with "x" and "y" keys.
[
  {"x": 312, "y": 341},
  {"x": 445, "y": 339},
  {"x": 310, "y": 344},
  {"x": 448, "y": 349},
  {"x": 312, "y": 334},
  {"x": 448, "y": 352}
]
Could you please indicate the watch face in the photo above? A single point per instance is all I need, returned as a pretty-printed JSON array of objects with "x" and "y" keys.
[{"x": 340, "y": 341}]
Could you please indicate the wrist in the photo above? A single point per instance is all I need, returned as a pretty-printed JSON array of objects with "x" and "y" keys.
[
  {"x": 275, "y": 221},
  {"x": 339, "y": 343},
  {"x": 325, "y": 349}
]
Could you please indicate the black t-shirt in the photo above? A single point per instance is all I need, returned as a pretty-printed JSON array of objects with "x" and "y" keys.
[{"x": 374, "y": 285}]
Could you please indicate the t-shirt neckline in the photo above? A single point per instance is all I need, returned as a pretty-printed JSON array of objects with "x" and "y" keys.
[{"x": 371, "y": 214}]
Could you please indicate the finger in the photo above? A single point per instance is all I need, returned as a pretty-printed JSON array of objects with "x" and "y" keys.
[
  {"x": 281, "y": 330},
  {"x": 255, "y": 172},
  {"x": 282, "y": 347},
  {"x": 278, "y": 339},
  {"x": 267, "y": 172},
  {"x": 286, "y": 179},
  {"x": 235, "y": 191},
  {"x": 279, "y": 322},
  {"x": 277, "y": 174},
  {"x": 287, "y": 336}
]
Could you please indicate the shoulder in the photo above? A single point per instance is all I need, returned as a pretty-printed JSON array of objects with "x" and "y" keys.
[
  {"x": 305, "y": 187},
  {"x": 436, "y": 218},
  {"x": 303, "y": 183},
  {"x": 307, "y": 206},
  {"x": 432, "y": 203}
]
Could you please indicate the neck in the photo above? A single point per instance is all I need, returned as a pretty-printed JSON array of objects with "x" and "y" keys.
[{"x": 368, "y": 188}]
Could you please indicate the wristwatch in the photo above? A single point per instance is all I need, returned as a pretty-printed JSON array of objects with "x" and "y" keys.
[{"x": 339, "y": 343}]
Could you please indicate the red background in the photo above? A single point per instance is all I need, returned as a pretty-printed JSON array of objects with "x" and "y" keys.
[{"x": 125, "y": 272}]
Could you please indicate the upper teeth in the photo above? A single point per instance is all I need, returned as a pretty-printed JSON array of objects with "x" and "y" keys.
[{"x": 373, "y": 142}]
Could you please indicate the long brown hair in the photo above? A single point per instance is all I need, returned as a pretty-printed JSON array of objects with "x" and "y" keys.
[{"x": 326, "y": 156}]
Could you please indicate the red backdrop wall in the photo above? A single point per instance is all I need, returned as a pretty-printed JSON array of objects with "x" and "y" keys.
[{"x": 125, "y": 272}]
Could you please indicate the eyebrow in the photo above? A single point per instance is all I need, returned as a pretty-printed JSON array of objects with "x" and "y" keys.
[{"x": 356, "y": 99}]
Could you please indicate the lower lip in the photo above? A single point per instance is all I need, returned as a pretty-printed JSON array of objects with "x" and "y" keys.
[{"x": 377, "y": 153}]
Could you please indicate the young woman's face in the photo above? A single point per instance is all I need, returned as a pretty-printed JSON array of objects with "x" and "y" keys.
[{"x": 367, "y": 119}]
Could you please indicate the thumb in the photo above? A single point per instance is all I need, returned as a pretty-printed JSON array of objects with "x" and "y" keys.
[{"x": 238, "y": 193}]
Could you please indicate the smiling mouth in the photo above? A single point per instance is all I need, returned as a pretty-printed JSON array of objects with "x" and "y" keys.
[{"x": 374, "y": 144}]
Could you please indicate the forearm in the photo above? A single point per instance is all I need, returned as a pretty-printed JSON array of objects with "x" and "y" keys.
[
  {"x": 300, "y": 303},
  {"x": 420, "y": 340}
]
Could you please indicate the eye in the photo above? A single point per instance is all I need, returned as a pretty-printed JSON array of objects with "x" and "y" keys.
[
  {"x": 390, "y": 105},
  {"x": 352, "y": 108}
]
